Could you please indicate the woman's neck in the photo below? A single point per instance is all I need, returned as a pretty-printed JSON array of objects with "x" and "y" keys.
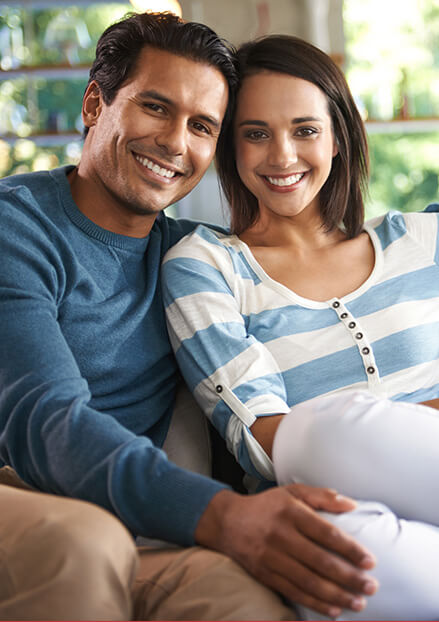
[{"x": 299, "y": 233}]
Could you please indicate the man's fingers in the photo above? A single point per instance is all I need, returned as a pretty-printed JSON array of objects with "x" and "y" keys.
[
  {"x": 329, "y": 536},
  {"x": 327, "y": 499},
  {"x": 304, "y": 587},
  {"x": 335, "y": 573}
]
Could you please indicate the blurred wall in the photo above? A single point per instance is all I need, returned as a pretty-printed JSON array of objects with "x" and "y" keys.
[{"x": 318, "y": 21}]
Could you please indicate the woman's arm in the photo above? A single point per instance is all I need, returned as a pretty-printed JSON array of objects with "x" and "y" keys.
[
  {"x": 431, "y": 403},
  {"x": 232, "y": 375},
  {"x": 264, "y": 430}
]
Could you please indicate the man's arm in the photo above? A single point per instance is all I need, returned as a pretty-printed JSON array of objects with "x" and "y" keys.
[
  {"x": 278, "y": 537},
  {"x": 51, "y": 429}
]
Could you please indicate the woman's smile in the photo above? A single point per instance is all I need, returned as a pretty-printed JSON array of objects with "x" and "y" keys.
[
  {"x": 284, "y": 143},
  {"x": 284, "y": 183}
]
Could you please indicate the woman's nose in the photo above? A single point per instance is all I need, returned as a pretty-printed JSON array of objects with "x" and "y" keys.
[{"x": 283, "y": 152}]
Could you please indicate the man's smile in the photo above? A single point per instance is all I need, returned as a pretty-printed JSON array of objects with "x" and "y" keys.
[{"x": 156, "y": 168}]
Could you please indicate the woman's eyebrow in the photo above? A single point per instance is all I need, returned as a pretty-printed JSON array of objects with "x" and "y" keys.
[
  {"x": 305, "y": 119},
  {"x": 253, "y": 122},
  {"x": 293, "y": 121}
]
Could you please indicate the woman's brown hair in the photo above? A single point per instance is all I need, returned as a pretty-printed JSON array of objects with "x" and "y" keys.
[{"x": 341, "y": 197}]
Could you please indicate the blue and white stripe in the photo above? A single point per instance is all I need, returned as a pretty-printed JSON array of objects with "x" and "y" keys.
[{"x": 248, "y": 346}]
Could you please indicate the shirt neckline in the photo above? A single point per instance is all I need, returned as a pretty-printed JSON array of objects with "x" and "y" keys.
[{"x": 307, "y": 302}]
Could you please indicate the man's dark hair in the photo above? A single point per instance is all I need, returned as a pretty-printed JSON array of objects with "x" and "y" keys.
[
  {"x": 121, "y": 43},
  {"x": 341, "y": 198}
]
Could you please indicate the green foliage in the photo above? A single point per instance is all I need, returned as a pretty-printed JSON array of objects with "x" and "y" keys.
[
  {"x": 393, "y": 56},
  {"x": 30, "y": 103},
  {"x": 57, "y": 36},
  {"x": 404, "y": 172},
  {"x": 393, "y": 70},
  {"x": 59, "y": 103}
]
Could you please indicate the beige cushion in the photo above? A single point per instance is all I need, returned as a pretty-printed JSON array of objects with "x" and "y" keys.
[{"x": 188, "y": 441}]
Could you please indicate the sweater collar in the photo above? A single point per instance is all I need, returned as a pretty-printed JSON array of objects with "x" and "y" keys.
[{"x": 86, "y": 225}]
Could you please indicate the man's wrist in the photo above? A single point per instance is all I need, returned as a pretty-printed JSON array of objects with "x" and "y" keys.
[{"x": 211, "y": 530}]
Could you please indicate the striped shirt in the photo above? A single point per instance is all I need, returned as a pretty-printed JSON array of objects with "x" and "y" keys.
[{"x": 248, "y": 346}]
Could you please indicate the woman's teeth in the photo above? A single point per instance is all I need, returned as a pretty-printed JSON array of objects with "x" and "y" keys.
[{"x": 285, "y": 181}]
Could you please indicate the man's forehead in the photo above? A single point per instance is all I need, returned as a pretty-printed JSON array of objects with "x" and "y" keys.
[
  {"x": 156, "y": 60},
  {"x": 171, "y": 76}
]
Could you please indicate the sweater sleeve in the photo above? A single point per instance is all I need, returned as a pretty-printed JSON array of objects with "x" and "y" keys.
[
  {"x": 233, "y": 376},
  {"x": 49, "y": 432}
]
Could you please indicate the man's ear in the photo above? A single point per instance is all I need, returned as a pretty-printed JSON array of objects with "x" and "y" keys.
[{"x": 91, "y": 104}]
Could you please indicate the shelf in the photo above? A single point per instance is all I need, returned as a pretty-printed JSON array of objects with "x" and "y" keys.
[
  {"x": 46, "y": 71},
  {"x": 46, "y": 139},
  {"x": 403, "y": 126},
  {"x": 48, "y": 4}
]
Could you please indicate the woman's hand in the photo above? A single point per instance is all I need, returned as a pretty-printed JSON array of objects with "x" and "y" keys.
[{"x": 280, "y": 539}]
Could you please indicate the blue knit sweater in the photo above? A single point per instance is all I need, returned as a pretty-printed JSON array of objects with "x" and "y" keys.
[{"x": 87, "y": 376}]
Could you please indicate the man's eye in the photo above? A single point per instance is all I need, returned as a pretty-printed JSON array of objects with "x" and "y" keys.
[
  {"x": 200, "y": 127},
  {"x": 153, "y": 107}
]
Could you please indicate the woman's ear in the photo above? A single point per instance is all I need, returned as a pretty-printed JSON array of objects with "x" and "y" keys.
[{"x": 91, "y": 104}]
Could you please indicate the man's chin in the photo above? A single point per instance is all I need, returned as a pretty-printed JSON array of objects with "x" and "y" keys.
[
  {"x": 142, "y": 210},
  {"x": 146, "y": 208}
]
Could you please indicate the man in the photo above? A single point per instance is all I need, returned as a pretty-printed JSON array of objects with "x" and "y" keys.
[{"x": 88, "y": 377}]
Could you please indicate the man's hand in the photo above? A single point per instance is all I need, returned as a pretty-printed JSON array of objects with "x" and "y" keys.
[{"x": 279, "y": 538}]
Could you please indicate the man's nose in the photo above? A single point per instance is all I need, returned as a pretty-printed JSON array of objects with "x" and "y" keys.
[{"x": 173, "y": 137}]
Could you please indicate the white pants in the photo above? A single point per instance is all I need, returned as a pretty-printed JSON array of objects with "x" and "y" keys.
[{"x": 386, "y": 455}]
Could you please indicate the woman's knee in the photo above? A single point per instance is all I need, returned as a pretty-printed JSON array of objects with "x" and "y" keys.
[{"x": 406, "y": 553}]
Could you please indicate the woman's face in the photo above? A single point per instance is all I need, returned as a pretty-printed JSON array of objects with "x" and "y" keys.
[{"x": 284, "y": 143}]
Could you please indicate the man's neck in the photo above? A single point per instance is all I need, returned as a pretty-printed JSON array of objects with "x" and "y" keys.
[{"x": 89, "y": 201}]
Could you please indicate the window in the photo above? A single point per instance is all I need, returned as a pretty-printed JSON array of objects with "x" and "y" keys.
[{"x": 392, "y": 66}]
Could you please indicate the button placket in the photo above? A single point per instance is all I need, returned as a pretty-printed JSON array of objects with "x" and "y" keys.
[{"x": 358, "y": 336}]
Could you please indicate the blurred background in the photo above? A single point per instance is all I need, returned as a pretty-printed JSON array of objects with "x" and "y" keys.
[{"x": 388, "y": 49}]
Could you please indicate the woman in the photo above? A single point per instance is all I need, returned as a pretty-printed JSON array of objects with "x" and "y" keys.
[{"x": 308, "y": 336}]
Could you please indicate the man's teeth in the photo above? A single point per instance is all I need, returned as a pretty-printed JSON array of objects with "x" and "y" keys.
[
  {"x": 155, "y": 168},
  {"x": 285, "y": 181}
]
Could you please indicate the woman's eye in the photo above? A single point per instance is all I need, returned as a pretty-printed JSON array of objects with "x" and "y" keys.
[
  {"x": 306, "y": 131},
  {"x": 256, "y": 135}
]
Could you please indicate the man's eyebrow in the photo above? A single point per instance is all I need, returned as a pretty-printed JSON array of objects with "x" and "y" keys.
[
  {"x": 294, "y": 121},
  {"x": 165, "y": 100},
  {"x": 210, "y": 120},
  {"x": 156, "y": 95}
]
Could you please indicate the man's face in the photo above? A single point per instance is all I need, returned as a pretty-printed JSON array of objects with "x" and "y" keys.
[{"x": 154, "y": 142}]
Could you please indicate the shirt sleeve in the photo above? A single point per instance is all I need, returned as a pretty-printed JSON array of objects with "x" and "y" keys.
[
  {"x": 49, "y": 433},
  {"x": 423, "y": 227},
  {"x": 233, "y": 376}
]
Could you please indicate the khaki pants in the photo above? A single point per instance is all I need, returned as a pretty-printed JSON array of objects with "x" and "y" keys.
[{"x": 64, "y": 559}]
